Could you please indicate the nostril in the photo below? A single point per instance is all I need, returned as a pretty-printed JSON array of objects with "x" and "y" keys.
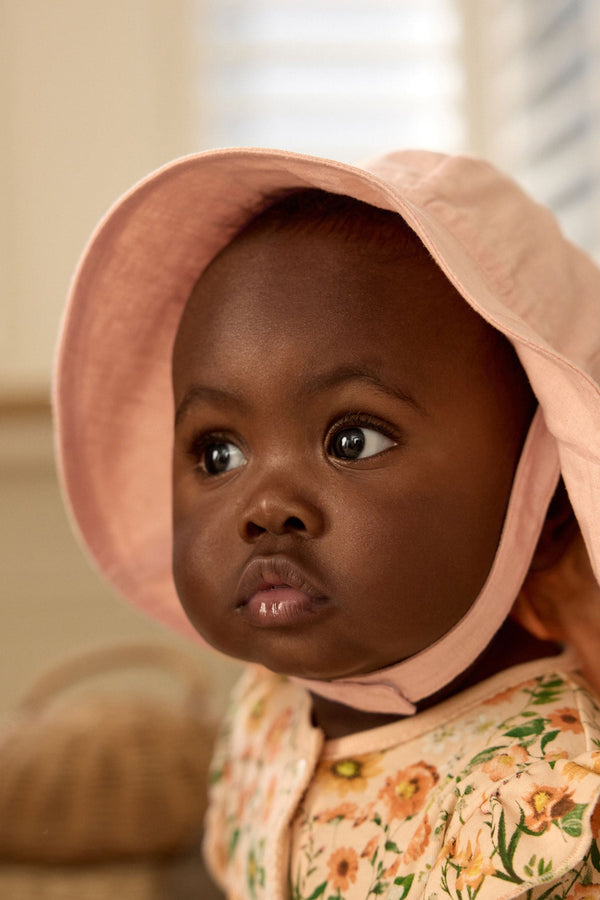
[
  {"x": 295, "y": 524},
  {"x": 253, "y": 530}
]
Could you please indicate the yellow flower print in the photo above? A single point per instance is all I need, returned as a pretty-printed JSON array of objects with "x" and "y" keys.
[
  {"x": 574, "y": 772},
  {"x": 342, "y": 776},
  {"x": 474, "y": 866},
  {"x": 505, "y": 764},
  {"x": 257, "y": 714},
  {"x": 343, "y": 866},
  {"x": 406, "y": 793},
  {"x": 546, "y": 804}
]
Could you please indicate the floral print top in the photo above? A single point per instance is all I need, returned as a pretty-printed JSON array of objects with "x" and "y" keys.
[{"x": 490, "y": 794}]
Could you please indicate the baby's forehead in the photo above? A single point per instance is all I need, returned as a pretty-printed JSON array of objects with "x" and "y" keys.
[
  {"x": 335, "y": 272},
  {"x": 352, "y": 239}
]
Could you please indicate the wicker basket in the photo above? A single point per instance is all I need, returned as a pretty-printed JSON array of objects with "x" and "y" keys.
[{"x": 105, "y": 775}]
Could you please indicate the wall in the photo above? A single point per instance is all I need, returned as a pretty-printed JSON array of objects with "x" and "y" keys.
[{"x": 93, "y": 95}]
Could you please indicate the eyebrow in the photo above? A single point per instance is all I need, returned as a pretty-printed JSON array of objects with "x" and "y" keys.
[
  {"x": 342, "y": 374},
  {"x": 201, "y": 393}
]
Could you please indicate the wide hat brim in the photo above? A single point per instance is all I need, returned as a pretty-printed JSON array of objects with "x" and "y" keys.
[{"x": 112, "y": 390}]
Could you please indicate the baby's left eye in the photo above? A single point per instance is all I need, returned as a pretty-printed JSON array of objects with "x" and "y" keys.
[{"x": 359, "y": 443}]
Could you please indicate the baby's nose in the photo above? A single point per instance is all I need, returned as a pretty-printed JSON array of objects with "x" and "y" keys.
[{"x": 280, "y": 509}]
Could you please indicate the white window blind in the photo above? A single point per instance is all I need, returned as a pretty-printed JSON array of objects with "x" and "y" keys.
[
  {"x": 515, "y": 80},
  {"x": 345, "y": 78},
  {"x": 540, "y": 101}
]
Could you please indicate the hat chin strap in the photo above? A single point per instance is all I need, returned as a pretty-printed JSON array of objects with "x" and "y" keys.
[{"x": 397, "y": 688}]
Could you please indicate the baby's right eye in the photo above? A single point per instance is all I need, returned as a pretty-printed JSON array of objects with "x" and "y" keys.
[{"x": 217, "y": 456}]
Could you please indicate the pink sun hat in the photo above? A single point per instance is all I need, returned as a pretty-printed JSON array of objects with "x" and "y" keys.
[{"x": 112, "y": 393}]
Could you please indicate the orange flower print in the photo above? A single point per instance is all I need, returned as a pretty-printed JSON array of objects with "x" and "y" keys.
[
  {"x": 546, "y": 804},
  {"x": 595, "y": 822},
  {"x": 343, "y": 866},
  {"x": 391, "y": 870},
  {"x": 342, "y": 776},
  {"x": 244, "y": 799},
  {"x": 267, "y": 803},
  {"x": 566, "y": 719},
  {"x": 474, "y": 866},
  {"x": 370, "y": 847},
  {"x": 505, "y": 764},
  {"x": 342, "y": 811},
  {"x": 418, "y": 842},
  {"x": 555, "y": 756},
  {"x": 406, "y": 792},
  {"x": 275, "y": 734},
  {"x": 585, "y": 892},
  {"x": 364, "y": 813},
  {"x": 508, "y": 694}
]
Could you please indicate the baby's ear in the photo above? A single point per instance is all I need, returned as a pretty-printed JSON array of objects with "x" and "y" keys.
[
  {"x": 539, "y": 608},
  {"x": 560, "y": 600},
  {"x": 558, "y": 531}
]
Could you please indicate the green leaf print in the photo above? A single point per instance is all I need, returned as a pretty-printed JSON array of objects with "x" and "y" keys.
[
  {"x": 544, "y": 867},
  {"x": 546, "y": 697},
  {"x": 547, "y": 738},
  {"x": 595, "y": 856},
  {"x": 232, "y": 843},
  {"x": 486, "y": 755},
  {"x": 405, "y": 882},
  {"x": 571, "y": 822},
  {"x": 507, "y": 853},
  {"x": 318, "y": 891},
  {"x": 533, "y": 727},
  {"x": 391, "y": 845}
]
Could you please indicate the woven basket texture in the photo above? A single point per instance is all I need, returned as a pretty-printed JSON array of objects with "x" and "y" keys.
[{"x": 106, "y": 775}]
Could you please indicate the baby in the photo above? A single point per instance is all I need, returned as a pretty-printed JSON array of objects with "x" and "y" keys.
[{"x": 386, "y": 445}]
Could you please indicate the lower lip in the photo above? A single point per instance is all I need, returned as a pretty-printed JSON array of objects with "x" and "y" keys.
[{"x": 281, "y": 607}]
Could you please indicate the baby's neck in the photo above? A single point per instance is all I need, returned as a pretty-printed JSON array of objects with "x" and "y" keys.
[{"x": 511, "y": 645}]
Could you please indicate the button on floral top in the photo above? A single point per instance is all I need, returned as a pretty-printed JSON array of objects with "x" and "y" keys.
[{"x": 491, "y": 794}]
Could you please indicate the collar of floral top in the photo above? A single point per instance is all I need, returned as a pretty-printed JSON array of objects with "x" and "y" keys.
[{"x": 502, "y": 252}]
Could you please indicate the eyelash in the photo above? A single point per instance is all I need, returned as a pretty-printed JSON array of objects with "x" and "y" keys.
[
  {"x": 360, "y": 420},
  {"x": 202, "y": 440}
]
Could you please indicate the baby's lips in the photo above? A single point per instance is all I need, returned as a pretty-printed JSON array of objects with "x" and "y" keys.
[{"x": 264, "y": 573}]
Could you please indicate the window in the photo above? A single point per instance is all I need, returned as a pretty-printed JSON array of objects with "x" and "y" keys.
[
  {"x": 514, "y": 80},
  {"x": 539, "y": 103},
  {"x": 341, "y": 78}
]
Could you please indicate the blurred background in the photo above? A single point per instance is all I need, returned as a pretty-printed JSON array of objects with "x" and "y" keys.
[{"x": 96, "y": 93}]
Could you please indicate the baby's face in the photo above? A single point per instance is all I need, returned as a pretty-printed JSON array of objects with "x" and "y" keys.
[{"x": 346, "y": 439}]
